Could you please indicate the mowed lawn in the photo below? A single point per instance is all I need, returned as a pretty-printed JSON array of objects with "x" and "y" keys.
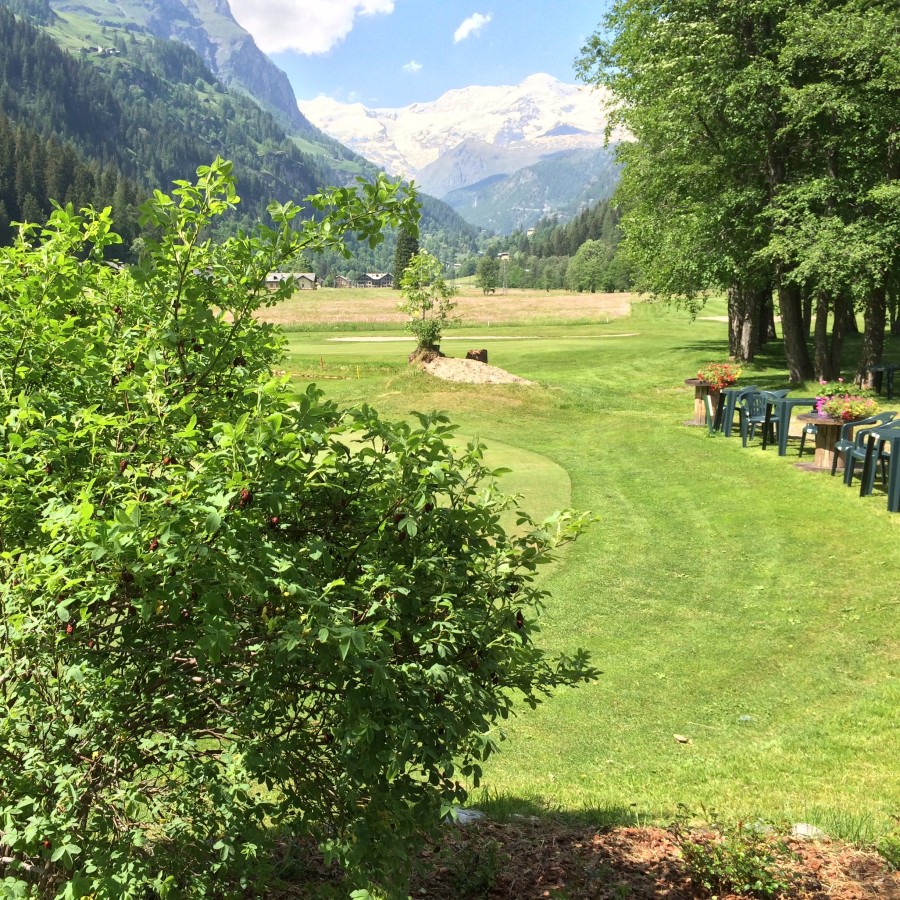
[{"x": 727, "y": 596}]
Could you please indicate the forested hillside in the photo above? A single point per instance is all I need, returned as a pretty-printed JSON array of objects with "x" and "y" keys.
[
  {"x": 151, "y": 114},
  {"x": 581, "y": 255},
  {"x": 560, "y": 184},
  {"x": 107, "y": 124}
]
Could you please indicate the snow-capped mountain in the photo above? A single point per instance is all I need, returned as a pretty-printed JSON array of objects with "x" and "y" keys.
[{"x": 470, "y": 134}]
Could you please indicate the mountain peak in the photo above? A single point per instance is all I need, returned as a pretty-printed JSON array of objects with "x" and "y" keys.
[
  {"x": 539, "y": 116},
  {"x": 539, "y": 79}
]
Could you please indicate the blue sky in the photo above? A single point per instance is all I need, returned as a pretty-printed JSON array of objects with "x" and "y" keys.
[{"x": 397, "y": 52}]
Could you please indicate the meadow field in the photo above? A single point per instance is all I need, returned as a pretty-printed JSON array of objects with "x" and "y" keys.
[
  {"x": 728, "y": 597},
  {"x": 368, "y": 307}
]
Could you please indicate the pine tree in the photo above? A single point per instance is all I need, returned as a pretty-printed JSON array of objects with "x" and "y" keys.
[{"x": 407, "y": 248}]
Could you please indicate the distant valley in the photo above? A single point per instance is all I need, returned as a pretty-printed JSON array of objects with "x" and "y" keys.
[{"x": 504, "y": 157}]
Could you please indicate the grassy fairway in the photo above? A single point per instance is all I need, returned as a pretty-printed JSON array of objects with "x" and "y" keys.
[{"x": 726, "y": 595}]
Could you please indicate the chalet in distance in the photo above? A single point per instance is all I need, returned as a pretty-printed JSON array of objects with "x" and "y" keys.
[
  {"x": 376, "y": 280},
  {"x": 304, "y": 281},
  {"x": 368, "y": 280}
]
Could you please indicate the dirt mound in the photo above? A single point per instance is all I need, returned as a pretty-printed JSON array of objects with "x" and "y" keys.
[{"x": 471, "y": 372}]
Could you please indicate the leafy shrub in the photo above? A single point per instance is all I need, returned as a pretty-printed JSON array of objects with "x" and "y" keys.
[
  {"x": 889, "y": 846},
  {"x": 739, "y": 860},
  {"x": 474, "y": 870},
  {"x": 230, "y": 613}
]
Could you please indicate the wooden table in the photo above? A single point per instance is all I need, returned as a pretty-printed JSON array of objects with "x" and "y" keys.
[
  {"x": 828, "y": 431},
  {"x": 702, "y": 389}
]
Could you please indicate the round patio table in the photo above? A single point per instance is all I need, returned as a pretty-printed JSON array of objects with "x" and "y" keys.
[{"x": 828, "y": 430}]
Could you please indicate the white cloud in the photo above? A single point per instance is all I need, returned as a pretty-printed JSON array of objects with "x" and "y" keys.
[
  {"x": 307, "y": 26},
  {"x": 471, "y": 26},
  {"x": 412, "y": 67}
]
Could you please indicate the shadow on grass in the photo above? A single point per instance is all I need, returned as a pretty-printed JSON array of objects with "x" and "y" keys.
[{"x": 506, "y": 808}]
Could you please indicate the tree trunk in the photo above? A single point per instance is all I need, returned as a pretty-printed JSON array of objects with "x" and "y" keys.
[
  {"x": 874, "y": 317},
  {"x": 795, "y": 350},
  {"x": 893, "y": 304},
  {"x": 807, "y": 314},
  {"x": 767, "y": 317},
  {"x": 743, "y": 322},
  {"x": 843, "y": 312},
  {"x": 820, "y": 338},
  {"x": 828, "y": 353}
]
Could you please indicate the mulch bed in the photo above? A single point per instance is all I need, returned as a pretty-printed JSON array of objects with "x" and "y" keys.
[
  {"x": 527, "y": 859},
  {"x": 538, "y": 859}
]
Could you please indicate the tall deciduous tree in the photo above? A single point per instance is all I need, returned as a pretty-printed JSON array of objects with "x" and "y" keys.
[
  {"x": 587, "y": 268},
  {"x": 487, "y": 273},
  {"x": 745, "y": 169}
]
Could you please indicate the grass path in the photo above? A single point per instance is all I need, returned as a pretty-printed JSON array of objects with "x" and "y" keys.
[{"x": 727, "y": 596}]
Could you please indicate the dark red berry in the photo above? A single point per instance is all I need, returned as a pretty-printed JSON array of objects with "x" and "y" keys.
[
  {"x": 398, "y": 518},
  {"x": 123, "y": 465},
  {"x": 520, "y": 620},
  {"x": 197, "y": 348},
  {"x": 246, "y": 498},
  {"x": 154, "y": 544},
  {"x": 168, "y": 461},
  {"x": 428, "y": 507},
  {"x": 274, "y": 521},
  {"x": 46, "y": 845},
  {"x": 48, "y": 469},
  {"x": 239, "y": 361},
  {"x": 69, "y": 628}
]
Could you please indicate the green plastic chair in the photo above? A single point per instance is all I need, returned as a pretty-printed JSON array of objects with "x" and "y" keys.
[
  {"x": 710, "y": 415},
  {"x": 809, "y": 430},
  {"x": 730, "y": 399},
  {"x": 854, "y": 448},
  {"x": 753, "y": 410},
  {"x": 870, "y": 454}
]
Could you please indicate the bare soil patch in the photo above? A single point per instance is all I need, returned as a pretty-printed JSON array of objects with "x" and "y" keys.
[{"x": 335, "y": 306}]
